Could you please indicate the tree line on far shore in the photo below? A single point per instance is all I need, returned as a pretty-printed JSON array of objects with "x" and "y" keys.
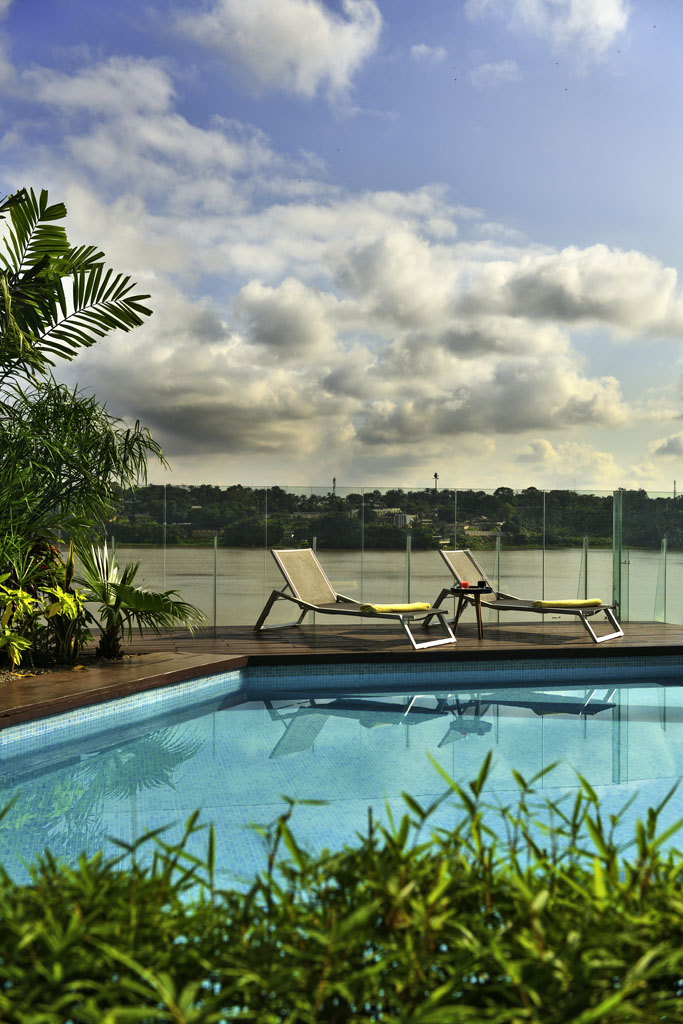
[{"x": 241, "y": 516}]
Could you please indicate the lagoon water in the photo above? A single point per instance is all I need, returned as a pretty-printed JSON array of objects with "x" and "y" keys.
[{"x": 245, "y": 577}]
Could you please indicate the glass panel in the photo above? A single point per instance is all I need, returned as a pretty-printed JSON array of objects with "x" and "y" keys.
[
  {"x": 652, "y": 541},
  {"x": 523, "y": 574},
  {"x": 578, "y": 534},
  {"x": 554, "y": 544}
]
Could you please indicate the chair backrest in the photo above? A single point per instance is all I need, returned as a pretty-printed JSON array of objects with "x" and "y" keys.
[
  {"x": 305, "y": 575},
  {"x": 464, "y": 566}
]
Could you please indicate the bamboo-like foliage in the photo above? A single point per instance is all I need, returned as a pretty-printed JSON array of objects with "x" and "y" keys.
[
  {"x": 412, "y": 923},
  {"x": 63, "y": 458}
]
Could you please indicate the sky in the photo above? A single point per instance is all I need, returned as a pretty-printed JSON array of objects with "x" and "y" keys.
[{"x": 383, "y": 239}]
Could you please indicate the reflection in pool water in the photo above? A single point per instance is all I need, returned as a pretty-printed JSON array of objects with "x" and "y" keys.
[{"x": 77, "y": 789}]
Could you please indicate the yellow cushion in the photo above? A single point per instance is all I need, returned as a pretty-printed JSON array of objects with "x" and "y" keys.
[
  {"x": 589, "y": 602},
  {"x": 374, "y": 609}
]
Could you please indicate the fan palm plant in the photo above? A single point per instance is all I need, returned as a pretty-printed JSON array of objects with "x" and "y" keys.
[{"x": 122, "y": 605}]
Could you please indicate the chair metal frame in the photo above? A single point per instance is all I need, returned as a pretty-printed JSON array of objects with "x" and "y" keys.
[
  {"x": 508, "y": 603},
  {"x": 353, "y": 608}
]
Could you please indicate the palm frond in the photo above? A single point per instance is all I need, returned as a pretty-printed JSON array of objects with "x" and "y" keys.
[
  {"x": 33, "y": 237},
  {"x": 7, "y": 202},
  {"x": 49, "y": 320},
  {"x": 160, "y": 608},
  {"x": 100, "y": 302}
]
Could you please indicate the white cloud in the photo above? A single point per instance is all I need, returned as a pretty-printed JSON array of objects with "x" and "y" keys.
[
  {"x": 627, "y": 290},
  {"x": 431, "y": 54},
  {"x": 292, "y": 322},
  {"x": 591, "y": 26},
  {"x": 572, "y": 460},
  {"x": 119, "y": 85},
  {"x": 352, "y": 328},
  {"x": 298, "y": 46},
  {"x": 495, "y": 74}
]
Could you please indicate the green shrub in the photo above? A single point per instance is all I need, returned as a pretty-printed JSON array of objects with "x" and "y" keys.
[
  {"x": 557, "y": 923},
  {"x": 41, "y": 614}
]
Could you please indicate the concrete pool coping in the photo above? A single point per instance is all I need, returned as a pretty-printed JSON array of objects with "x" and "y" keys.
[{"x": 154, "y": 662}]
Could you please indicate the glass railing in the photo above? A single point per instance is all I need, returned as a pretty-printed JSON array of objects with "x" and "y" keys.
[
  {"x": 648, "y": 555},
  {"x": 381, "y": 544}
]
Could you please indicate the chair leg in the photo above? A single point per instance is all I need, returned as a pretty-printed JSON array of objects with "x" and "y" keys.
[
  {"x": 266, "y": 610},
  {"x": 462, "y": 602},
  {"x": 275, "y": 596},
  {"x": 437, "y": 604},
  {"x": 618, "y": 631},
  {"x": 448, "y": 639}
]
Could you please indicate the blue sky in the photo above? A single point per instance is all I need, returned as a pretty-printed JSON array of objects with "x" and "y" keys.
[{"x": 382, "y": 239}]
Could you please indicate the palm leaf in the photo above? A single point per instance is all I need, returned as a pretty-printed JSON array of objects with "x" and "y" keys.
[
  {"x": 157, "y": 610},
  {"x": 33, "y": 238},
  {"x": 47, "y": 320},
  {"x": 100, "y": 302}
]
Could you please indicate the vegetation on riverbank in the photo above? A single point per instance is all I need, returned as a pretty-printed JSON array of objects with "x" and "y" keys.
[{"x": 239, "y": 516}]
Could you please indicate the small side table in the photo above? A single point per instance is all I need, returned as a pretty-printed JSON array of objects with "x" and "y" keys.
[{"x": 462, "y": 594}]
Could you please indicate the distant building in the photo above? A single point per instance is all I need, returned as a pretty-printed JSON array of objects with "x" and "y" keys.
[{"x": 401, "y": 519}]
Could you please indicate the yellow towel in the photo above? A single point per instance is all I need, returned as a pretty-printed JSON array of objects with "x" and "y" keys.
[
  {"x": 590, "y": 602},
  {"x": 373, "y": 609}
]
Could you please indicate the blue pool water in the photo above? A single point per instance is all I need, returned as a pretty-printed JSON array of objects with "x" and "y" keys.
[{"x": 234, "y": 744}]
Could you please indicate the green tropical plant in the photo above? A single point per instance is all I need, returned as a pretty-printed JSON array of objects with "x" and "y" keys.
[
  {"x": 40, "y": 317},
  {"x": 13, "y": 645},
  {"x": 559, "y": 922},
  {"x": 122, "y": 605},
  {"x": 19, "y": 622},
  {"x": 50, "y": 612},
  {"x": 63, "y": 457},
  {"x": 66, "y": 614},
  {"x": 66, "y": 460}
]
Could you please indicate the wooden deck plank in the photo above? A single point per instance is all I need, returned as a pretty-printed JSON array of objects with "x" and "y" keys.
[
  {"x": 155, "y": 661},
  {"x": 378, "y": 642}
]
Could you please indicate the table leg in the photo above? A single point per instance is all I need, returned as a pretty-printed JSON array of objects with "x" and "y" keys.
[{"x": 477, "y": 608}]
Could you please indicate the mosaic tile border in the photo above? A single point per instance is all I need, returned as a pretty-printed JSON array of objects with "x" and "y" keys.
[
  {"x": 446, "y": 674},
  {"x": 113, "y": 714}
]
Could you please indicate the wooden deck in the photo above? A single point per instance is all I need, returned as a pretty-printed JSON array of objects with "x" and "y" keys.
[
  {"x": 158, "y": 661},
  {"x": 386, "y": 642}
]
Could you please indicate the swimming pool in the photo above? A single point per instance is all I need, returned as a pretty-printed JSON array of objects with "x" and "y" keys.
[{"x": 353, "y": 736}]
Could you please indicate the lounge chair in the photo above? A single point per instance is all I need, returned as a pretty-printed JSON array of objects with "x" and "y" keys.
[
  {"x": 464, "y": 566},
  {"x": 308, "y": 587}
]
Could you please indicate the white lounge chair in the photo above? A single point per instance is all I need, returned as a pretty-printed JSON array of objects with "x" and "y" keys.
[
  {"x": 308, "y": 587},
  {"x": 463, "y": 566}
]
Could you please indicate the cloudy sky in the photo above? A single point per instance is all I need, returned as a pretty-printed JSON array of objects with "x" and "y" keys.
[{"x": 383, "y": 238}]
